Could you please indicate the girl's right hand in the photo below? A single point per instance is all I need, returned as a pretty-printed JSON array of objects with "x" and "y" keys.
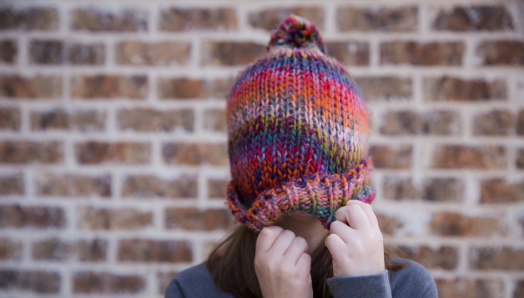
[{"x": 282, "y": 264}]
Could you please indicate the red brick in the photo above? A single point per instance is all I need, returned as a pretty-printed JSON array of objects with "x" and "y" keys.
[
  {"x": 349, "y": 52},
  {"x": 195, "y": 219},
  {"x": 56, "y": 52},
  {"x": 119, "y": 153},
  {"x": 443, "y": 190},
  {"x": 502, "y": 52},
  {"x": 377, "y": 18},
  {"x": 421, "y": 53},
  {"x": 90, "y": 282},
  {"x": 10, "y": 249},
  {"x": 389, "y": 224},
  {"x": 136, "y": 250},
  {"x": 385, "y": 88},
  {"x": 144, "y": 186},
  {"x": 494, "y": 123},
  {"x": 86, "y": 54},
  {"x": 22, "y": 152},
  {"x": 421, "y": 123},
  {"x": 117, "y": 20},
  {"x": 394, "y": 157},
  {"x": 45, "y": 282},
  {"x": 8, "y": 51},
  {"x": 17, "y": 216},
  {"x": 496, "y": 258},
  {"x": 179, "y": 19},
  {"x": 39, "y": 86},
  {"x": 214, "y": 154},
  {"x": 469, "y": 157},
  {"x": 59, "y": 119},
  {"x": 153, "y": 53},
  {"x": 163, "y": 280},
  {"x": 29, "y": 18},
  {"x": 91, "y": 218},
  {"x": 54, "y": 249},
  {"x": 496, "y": 191},
  {"x": 443, "y": 257},
  {"x": 9, "y": 118},
  {"x": 109, "y": 86},
  {"x": 456, "y": 224},
  {"x": 519, "y": 289},
  {"x": 231, "y": 53},
  {"x": 468, "y": 288},
  {"x": 91, "y": 250},
  {"x": 520, "y": 122},
  {"x": 144, "y": 119},
  {"x": 519, "y": 163},
  {"x": 12, "y": 185},
  {"x": 474, "y": 18},
  {"x": 46, "y": 52},
  {"x": 268, "y": 19},
  {"x": 397, "y": 188},
  {"x": 457, "y": 89},
  {"x": 217, "y": 188},
  {"x": 72, "y": 185},
  {"x": 215, "y": 120},
  {"x": 184, "y": 88}
]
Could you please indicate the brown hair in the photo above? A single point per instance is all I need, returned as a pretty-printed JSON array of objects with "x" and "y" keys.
[{"x": 231, "y": 263}]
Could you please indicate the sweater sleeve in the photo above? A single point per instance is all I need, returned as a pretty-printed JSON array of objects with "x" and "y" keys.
[
  {"x": 173, "y": 290},
  {"x": 365, "y": 286}
]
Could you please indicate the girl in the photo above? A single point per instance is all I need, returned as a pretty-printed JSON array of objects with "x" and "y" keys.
[{"x": 301, "y": 186}]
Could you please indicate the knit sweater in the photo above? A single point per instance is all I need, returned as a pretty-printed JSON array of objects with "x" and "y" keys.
[{"x": 412, "y": 281}]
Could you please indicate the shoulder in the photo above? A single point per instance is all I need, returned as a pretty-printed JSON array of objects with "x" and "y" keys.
[
  {"x": 412, "y": 281},
  {"x": 194, "y": 281}
]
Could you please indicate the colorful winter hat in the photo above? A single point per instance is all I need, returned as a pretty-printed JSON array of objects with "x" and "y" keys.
[{"x": 297, "y": 132}]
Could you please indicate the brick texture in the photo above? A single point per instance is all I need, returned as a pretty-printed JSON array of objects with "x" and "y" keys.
[
  {"x": 153, "y": 53},
  {"x": 87, "y": 282},
  {"x": 117, "y": 20},
  {"x": 39, "y": 86},
  {"x": 178, "y": 19},
  {"x": 132, "y": 250},
  {"x": 8, "y": 51},
  {"x": 49, "y": 52},
  {"x": 473, "y": 18},
  {"x": 114, "y": 161},
  {"x": 381, "y": 19},
  {"x": 41, "y": 282},
  {"x": 433, "y": 53},
  {"x": 29, "y": 18},
  {"x": 105, "y": 152}
]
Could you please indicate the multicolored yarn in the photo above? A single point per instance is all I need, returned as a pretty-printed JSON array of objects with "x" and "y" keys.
[{"x": 297, "y": 132}]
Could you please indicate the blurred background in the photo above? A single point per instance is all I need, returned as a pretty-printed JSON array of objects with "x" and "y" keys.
[{"x": 113, "y": 143}]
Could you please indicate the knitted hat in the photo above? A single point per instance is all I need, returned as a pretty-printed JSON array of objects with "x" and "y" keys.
[{"x": 297, "y": 132}]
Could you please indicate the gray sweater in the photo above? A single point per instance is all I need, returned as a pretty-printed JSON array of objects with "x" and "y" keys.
[{"x": 412, "y": 281}]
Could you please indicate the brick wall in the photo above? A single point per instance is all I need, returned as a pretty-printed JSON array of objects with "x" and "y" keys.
[{"x": 113, "y": 153}]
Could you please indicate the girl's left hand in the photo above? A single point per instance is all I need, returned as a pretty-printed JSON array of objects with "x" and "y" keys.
[{"x": 355, "y": 241}]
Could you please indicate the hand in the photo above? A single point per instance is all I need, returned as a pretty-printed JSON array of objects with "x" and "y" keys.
[
  {"x": 282, "y": 264},
  {"x": 357, "y": 249}
]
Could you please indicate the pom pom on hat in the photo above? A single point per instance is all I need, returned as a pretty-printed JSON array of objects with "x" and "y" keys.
[{"x": 296, "y": 32}]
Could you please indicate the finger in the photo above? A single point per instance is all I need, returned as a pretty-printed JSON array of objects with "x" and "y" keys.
[
  {"x": 342, "y": 230},
  {"x": 297, "y": 247},
  {"x": 354, "y": 216},
  {"x": 368, "y": 209},
  {"x": 336, "y": 246},
  {"x": 304, "y": 263},
  {"x": 266, "y": 238},
  {"x": 282, "y": 243}
]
